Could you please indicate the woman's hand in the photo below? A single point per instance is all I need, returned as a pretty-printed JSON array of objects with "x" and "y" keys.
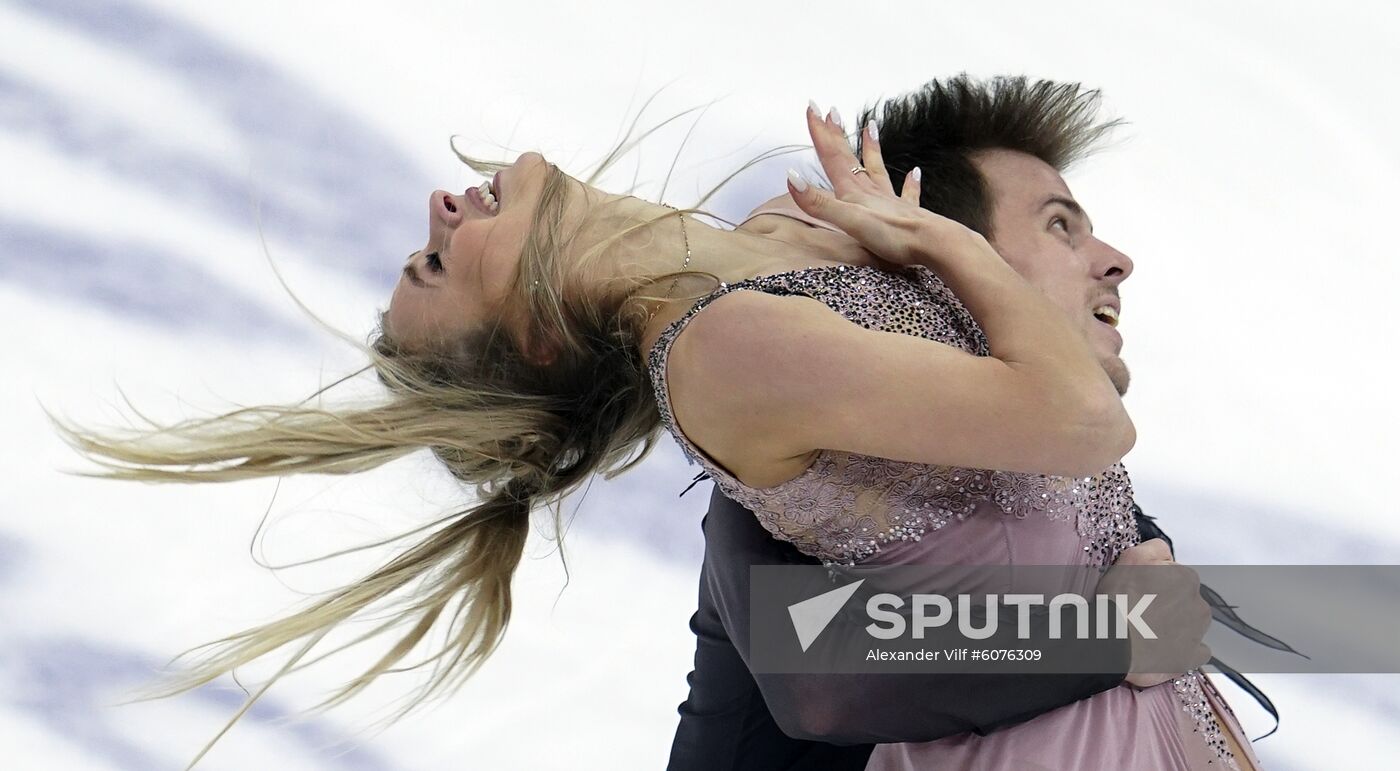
[{"x": 864, "y": 204}]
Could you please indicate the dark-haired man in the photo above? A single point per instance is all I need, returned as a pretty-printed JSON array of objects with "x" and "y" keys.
[{"x": 991, "y": 153}]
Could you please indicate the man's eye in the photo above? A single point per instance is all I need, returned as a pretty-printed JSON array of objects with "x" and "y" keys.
[
  {"x": 434, "y": 262},
  {"x": 1061, "y": 222}
]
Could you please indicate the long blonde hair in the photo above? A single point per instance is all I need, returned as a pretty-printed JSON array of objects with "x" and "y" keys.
[{"x": 519, "y": 431}]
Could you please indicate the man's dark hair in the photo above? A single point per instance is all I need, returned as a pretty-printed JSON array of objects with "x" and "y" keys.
[{"x": 941, "y": 126}]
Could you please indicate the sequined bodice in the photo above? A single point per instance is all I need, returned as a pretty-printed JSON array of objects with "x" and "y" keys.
[{"x": 846, "y": 508}]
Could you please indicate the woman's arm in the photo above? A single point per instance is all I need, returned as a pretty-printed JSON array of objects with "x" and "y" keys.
[
  {"x": 805, "y": 378},
  {"x": 756, "y": 379},
  {"x": 1024, "y": 330}
]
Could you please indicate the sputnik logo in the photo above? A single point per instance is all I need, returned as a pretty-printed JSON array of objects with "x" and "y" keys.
[{"x": 810, "y": 617}]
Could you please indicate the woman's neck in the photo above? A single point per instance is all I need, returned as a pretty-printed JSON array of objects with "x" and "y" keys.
[
  {"x": 674, "y": 242},
  {"x": 735, "y": 255}
]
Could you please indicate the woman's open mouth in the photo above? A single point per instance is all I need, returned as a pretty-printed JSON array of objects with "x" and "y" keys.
[{"x": 483, "y": 197}]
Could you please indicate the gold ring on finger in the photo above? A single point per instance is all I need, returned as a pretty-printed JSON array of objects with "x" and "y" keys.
[{"x": 858, "y": 169}]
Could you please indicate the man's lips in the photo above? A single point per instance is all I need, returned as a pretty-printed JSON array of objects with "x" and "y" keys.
[
  {"x": 1114, "y": 335},
  {"x": 1107, "y": 310}
]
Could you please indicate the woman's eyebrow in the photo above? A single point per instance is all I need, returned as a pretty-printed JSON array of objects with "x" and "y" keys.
[{"x": 411, "y": 273}]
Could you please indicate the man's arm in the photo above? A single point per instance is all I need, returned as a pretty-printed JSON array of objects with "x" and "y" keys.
[
  {"x": 725, "y": 725},
  {"x": 858, "y": 708}
]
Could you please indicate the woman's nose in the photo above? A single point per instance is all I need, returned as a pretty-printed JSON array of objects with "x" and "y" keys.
[{"x": 444, "y": 209}]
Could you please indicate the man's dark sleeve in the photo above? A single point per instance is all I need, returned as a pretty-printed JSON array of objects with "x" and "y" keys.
[
  {"x": 847, "y": 709},
  {"x": 725, "y": 725}
]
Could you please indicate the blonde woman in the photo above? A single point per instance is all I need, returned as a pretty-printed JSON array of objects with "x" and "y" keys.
[{"x": 547, "y": 329}]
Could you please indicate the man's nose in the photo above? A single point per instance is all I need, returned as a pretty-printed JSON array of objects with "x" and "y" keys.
[{"x": 1111, "y": 263}]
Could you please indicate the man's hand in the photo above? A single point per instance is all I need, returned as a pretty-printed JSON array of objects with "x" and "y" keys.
[{"x": 1178, "y": 614}]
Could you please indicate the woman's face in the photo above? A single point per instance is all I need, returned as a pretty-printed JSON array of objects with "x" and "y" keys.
[{"x": 459, "y": 279}]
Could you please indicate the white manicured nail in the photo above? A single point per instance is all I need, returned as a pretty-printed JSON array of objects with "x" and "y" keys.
[
  {"x": 796, "y": 180},
  {"x": 836, "y": 117},
  {"x": 813, "y": 108},
  {"x": 874, "y": 129},
  {"x": 918, "y": 174}
]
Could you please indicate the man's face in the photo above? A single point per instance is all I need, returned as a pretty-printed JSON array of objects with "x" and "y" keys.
[{"x": 1041, "y": 231}]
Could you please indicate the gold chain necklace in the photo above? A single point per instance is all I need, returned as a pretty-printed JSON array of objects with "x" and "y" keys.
[{"x": 685, "y": 238}]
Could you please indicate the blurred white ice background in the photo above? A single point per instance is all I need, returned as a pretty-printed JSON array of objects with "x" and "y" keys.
[{"x": 1254, "y": 188}]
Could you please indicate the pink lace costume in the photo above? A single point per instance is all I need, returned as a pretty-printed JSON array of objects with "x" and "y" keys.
[{"x": 855, "y": 509}]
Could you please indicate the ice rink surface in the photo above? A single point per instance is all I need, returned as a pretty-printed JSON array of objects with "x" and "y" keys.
[{"x": 149, "y": 149}]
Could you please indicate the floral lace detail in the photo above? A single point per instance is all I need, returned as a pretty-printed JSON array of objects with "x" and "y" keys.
[
  {"x": 1190, "y": 691},
  {"x": 844, "y": 507}
]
